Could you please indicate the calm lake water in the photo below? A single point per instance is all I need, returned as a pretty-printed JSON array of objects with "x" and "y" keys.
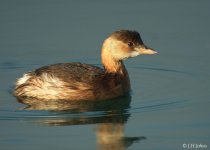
[{"x": 169, "y": 105}]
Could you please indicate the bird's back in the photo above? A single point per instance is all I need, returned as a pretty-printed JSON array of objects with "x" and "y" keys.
[
  {"x": 72, "y": 72},
  {"x": 73, "y": 81}
]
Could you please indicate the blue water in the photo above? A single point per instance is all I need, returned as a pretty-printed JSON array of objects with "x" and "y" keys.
[{"x": 169, "y": 104}]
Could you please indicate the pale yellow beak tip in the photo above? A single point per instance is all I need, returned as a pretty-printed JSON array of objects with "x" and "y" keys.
[
  {"x": 150, "y": 51},
  {"x": 155, "y": 52}
]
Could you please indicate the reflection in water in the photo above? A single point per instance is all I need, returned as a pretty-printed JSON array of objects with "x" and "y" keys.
[
  {"x": 109, "y": 115},
  {"x": 110, "y": 136}
]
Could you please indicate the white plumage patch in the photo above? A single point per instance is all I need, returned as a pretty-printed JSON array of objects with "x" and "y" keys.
[
  {"x": 23, "y": 79},
  {"x": 134, "y": 53},
  {"x": 47, "y": 86}
]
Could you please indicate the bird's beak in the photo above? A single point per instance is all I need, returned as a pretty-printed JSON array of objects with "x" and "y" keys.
[{"x": 143, "y": 49}]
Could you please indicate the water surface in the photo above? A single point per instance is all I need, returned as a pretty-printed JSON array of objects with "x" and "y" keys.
[{"x": 170, "y": 99}]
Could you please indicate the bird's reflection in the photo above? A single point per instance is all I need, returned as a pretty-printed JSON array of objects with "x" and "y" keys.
[{"x": 110, "y": 117}]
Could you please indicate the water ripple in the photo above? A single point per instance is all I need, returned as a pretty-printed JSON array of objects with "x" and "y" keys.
[
  {"x": 161, "y": 69},
  {"x": 160, "y": 106}
]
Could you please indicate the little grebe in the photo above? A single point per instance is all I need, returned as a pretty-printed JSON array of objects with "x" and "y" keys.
[{"x": 77, "y": 81}]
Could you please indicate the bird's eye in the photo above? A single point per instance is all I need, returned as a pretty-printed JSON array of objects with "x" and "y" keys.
[{"x": 130, "y": 44}]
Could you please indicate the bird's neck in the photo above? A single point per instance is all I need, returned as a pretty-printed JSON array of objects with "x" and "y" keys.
[
  {"x": 116, "y": 73},
  {"x": 112, "y": 65}
]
